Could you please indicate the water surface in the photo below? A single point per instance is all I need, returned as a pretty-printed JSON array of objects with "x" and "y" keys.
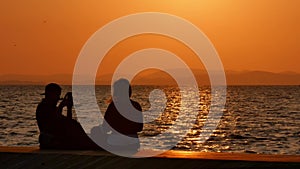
[{"x": 256, "y": 119}]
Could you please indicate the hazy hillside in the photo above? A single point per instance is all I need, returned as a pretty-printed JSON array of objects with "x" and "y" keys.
[{"x": 155, "y": 77}]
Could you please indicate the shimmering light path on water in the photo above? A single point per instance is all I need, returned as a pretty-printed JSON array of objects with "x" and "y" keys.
[{"x": 257, "y": 119}]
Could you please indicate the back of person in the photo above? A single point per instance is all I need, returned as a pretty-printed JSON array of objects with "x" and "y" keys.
[
  {"x": 123, "y": 132},
  {"x": 52, "y": 128},
  {"x": 56, "y": 130},
  {"x": 120, "y": 123}
]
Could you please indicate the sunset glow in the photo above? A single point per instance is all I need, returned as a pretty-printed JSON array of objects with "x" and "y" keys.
[{"x": 45, "y": 37}]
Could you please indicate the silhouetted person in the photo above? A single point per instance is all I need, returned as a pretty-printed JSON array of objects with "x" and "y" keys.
[
  {"x": 115, "y": 121},
  {"x": 56, "y": 130}
]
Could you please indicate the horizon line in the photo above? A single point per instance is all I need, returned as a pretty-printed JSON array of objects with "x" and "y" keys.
[{"x": 229, "y": 70}]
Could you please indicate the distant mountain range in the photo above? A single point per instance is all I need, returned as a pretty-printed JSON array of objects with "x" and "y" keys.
[{"x": 156, "y": 77}]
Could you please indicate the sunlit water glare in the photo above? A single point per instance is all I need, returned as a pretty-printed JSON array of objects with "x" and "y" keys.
[{"x": 256, "y": 119}]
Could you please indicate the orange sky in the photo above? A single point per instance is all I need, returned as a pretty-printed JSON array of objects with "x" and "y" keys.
[{"x": 45, "y": 37}]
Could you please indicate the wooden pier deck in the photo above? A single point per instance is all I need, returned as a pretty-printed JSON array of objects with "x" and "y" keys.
[{"x": 33, "y": 157}]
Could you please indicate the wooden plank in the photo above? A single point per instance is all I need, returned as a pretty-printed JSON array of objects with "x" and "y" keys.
[
  {"x": 168, "y": 154},
  {"x": 230, "y": 156},
  {"x": 32, "y": 157}
]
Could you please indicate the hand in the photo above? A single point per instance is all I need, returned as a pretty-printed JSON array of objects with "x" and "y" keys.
[
  {"x": 63, "y": 103},
  {"x": 69, "y": 99}
]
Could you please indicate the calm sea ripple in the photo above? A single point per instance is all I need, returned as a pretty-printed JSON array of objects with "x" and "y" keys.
[{"x": 256, "y": 119}]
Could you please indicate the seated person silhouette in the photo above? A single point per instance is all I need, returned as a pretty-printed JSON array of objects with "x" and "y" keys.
[
  {"x": 56, "y": 130},
  {"x": 121, "y": 132}
]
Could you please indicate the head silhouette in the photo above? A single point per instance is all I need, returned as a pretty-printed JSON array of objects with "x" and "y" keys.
[
  {"x": 52, "y": 92},
  {"x": 122, "y": 89}
]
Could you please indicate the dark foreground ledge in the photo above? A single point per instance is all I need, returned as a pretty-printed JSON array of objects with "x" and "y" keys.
[{"x": 32, "y": 157}]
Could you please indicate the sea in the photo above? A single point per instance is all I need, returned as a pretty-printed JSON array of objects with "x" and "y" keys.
[{"x": 254, "y": 119}]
